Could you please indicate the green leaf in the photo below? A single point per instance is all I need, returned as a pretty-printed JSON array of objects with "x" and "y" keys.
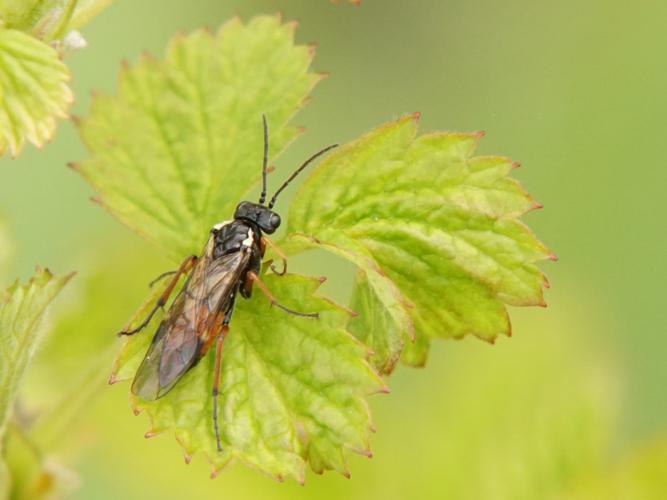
[
  {"x": 33, "y": 80},
  {"x": 85, "y": 11},
  {"x": 433, "y": 227},
  {"x": 49, "y": 19},
  {"x": 33, "y": 91},
  {"x": 374, "y": 326},
  {"x": 291, "y": 392},
  {"x": 181, "y": 143},
  {"x": 22, "y": 310},
  {"x": 172, "y": 154}
]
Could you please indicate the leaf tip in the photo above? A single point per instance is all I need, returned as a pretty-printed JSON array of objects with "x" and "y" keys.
[
  {"x": 187, "y": 459},
  {"x": 42, "y": 270},
  {"x": 151, "y": 434},
  {"x": 416, "y": 116},
  {"x": 112, "y": 379},
  {"x": 553, "y": 257},
  {"x": 479, "y": 134},
  {"x": 146, "y": 56},
  {"x": 488, "y": 340},
  {"x": 515, "y": 165}
]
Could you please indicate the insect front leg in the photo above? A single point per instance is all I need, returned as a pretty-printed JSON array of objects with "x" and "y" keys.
[
  {"x": 185, "y": 267},
  {"x": 163, "y": 275},
  {"x": 267, "y": 242},
  {"x": 252, "y": 277}
]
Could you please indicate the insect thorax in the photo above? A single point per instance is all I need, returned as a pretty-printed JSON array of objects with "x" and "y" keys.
[{"x": 234, "y": 236}]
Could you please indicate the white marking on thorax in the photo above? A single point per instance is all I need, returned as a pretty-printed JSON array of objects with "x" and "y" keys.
[
  {"x": 248, "y": 241},
  {"x": 219, "y": 225}
]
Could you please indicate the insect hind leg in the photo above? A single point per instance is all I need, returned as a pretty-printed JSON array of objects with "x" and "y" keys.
[
  {"x": 222, "y": 330},
  {"x": 216, "y": 382}
]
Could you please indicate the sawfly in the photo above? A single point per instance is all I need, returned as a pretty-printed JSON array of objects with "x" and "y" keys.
[{"x": 200, "y": 314}]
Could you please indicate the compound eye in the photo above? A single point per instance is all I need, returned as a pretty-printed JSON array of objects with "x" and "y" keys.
[{"x": 274, "y": 221}]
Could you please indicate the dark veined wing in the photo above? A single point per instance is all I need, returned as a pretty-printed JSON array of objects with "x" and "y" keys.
[{"x": 177, "y": 344}]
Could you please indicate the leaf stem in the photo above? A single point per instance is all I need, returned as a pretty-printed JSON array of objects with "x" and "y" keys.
[{"x": 65, "y": 19}]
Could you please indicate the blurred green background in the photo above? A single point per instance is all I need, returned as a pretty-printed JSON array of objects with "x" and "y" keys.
[{"x": 575, "y": 91}]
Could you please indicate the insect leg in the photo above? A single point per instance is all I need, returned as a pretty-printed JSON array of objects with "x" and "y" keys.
[
  {"x": 163, "y": 275},
  {"x": 252, "y": 276},
  {"x": 221, "y": 334},
  {"x": 185, "y": 267},
  {"x": 216, "y": 381},
  {"x": 267, "y": 242}
]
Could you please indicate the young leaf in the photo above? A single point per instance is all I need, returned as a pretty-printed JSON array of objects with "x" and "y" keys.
[
  {"x": 33, "y": 91},
  {"x": 48, "y": 20},
  {"x": 22, "y": 311},
  {"x": 85, "y": 10},
  {"x": 433, "y": 227},
  {"x": 181, "y": 143},
  {"x": 291, "y": 392}
]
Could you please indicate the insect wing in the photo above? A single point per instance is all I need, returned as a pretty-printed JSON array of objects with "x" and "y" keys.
[{"x": 177, "y": 345}]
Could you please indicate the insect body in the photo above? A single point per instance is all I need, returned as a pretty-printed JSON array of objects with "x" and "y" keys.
[{"x": 199, "y": 316}]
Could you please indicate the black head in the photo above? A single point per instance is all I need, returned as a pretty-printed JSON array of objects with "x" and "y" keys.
[{"x": 266, "y": 219}]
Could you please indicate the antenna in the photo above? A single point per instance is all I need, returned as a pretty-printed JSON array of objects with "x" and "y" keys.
[
  {"x": 262, "y": 197},
  {"x": 298, "y": 171}
]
